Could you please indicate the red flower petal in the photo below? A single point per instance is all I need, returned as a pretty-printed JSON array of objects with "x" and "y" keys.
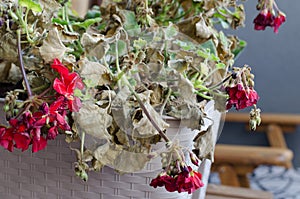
[
  {"x": 22, "y": 141},
  {"x": 59, "y": 67},
  {"x": 38, "y": 144},
  {"x": 60, "y": 87}
]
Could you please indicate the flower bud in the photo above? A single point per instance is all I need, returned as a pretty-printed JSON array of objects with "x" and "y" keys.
[
  {"x": 6, "y": 108},
  {"x": 194, "y": 159}
]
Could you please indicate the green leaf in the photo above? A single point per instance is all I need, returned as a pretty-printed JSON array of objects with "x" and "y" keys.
[
  {"x": 87, "y": 23},
  {"x": 93, "y": 13},
  {"x": 30, "y": 4},
  {"x": 122, "y": 50},
  {"x": 202, "y": 53},
  {"x": 211, "y": 46},
  {"x": 220, "y": 65},
  {"x": 185, "y": 45},
  {"x": 77, "y": 93},
  {"x": 170, "y": 32},
  {"x": 60, "y": 21},
  {"x": 240, "y": 47},
  {"x": 223, "y": 40},
  {"x": 130, "y": 23},
  {"x": 139, "y": 44}
]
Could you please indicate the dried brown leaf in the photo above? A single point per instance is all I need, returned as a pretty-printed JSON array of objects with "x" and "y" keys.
[
  {"x": 52, "y": 47},
  {"x": 95, "y": 45},
  {"x": 8, "y": 47},
  {"x": 93, "y": 120},
  {"x": 94, "y": 71}
]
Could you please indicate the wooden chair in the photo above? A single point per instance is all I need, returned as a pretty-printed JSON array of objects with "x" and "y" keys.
[
  {"x": 226, "y": 192},
  {"x": 233, "y": 162}
]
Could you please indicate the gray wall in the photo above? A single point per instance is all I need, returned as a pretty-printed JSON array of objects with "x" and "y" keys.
[{"x": 274, "y": 59}]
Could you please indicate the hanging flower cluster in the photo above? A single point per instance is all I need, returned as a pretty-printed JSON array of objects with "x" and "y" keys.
[
  {"x": 35, "y": 127},
  {"x": 176, "y": 175},
  {"x": 267, "y": 16},
  {"x": 186, "y": 180},
  {"x": 240, "y": 90},
  {"x": 241, "y": 97}
]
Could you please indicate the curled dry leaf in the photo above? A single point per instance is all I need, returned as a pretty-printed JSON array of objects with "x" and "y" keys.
[
  {"x": 107, "y": 153},
  {"x": 95, "y": 45},
  {"x": 8, "y": 47},
  {"x": 94, "y": 71},
  {"x": 52, "y": 47},
  {"x": 142, "y": 127},
  {"x": 93, "y": 120}
]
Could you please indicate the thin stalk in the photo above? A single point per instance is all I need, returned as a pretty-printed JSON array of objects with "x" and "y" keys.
[
  {"x": 82, "y": 144},
  {"x": 165, "y": 102},
  {"x": 24, "y": 23},
  {"x": 220, "y": 83},
  {"x": 155, "y": 125},
  {"x": 29, "y": 92},
  {"x": 161, "y": 133}
]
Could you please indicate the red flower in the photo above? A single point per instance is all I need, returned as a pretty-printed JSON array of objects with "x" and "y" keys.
[
  {"x": 6, "y": 139},
  {"x": 164, "y": 180},
  {"x": 67, "y": 84},
  {"x": 55, "y": 117},
  {"x": 263, "y": 19},
  {"x": 280, "y": 19},
  {"x": 185, "y": 181},
  {"x": 38, "y": 143},
  {"x": 241, "y": 98},
  {"x": 189, "y": 181}
]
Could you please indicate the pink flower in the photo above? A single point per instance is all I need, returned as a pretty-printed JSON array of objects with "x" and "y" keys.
[{"x": 240, "y": 97}]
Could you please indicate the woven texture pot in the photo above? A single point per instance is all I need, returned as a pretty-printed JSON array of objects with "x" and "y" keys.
[{"x": 48, "y": 174}]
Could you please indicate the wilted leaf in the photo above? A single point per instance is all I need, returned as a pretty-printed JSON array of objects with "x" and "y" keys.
[
  {"x": 94, "y": 45},
  {"x": 49, "y": 8},
  {"x": 122, "y": 138},
  {"x": 202, "y": 30},
  {"x": 107, "y": 153},
  {"x": 206, "y": 140},
  {"x": 186, "y": 90},
  {"x": 122, "y": 50},
  {"x": 94, "y": 71},
  {"x": 188, "y": 27},
  {"x": 68, "y": 37},
  {"x": 179, "y": 65},
  {"x": 130, "y": 23},
  {"x": 8, "y": 47},
  {"x": 10, "y": 72},
  {"x": 93, "y": 120},
  {"x": 170, "y": 32},
  {"x": 142, "y": 127},
  {"x": 52, "y": 47},
  {"x": 129, "y": 162}
]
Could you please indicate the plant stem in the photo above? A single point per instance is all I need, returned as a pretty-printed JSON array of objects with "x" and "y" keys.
[
  {"x": 82, "y": 144},
  {"x": 165, "y": 102},
  {"x": 29, "y": 92},
  {"x": 124, "y": 79},
  {"x": 155, "y": 125}
]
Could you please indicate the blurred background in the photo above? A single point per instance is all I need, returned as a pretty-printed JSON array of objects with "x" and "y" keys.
[{"x": 274, "y": 60}]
